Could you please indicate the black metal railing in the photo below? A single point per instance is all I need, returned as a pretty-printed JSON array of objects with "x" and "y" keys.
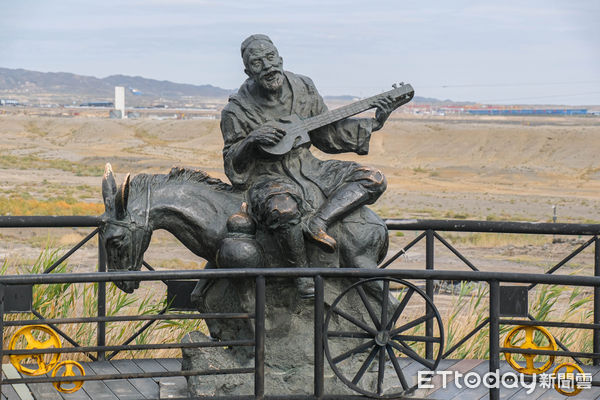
[
  {"x": 260, "y": 275},
  {"x": 431, "y": 226},
  {"x": 430, "y": 233},
  {"x": 98, "y": 277}
]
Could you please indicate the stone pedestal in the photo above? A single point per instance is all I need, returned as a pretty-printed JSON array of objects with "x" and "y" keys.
[{"x": 289, "y": 338}]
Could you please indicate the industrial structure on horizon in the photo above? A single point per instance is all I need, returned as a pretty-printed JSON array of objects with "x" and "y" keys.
[{"x": 483, "y": 109}]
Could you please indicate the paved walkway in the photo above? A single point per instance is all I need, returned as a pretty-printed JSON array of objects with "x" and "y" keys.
[{"x": 175, "y": 387}]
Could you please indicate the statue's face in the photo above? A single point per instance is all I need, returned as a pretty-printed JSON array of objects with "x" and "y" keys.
[{"x": 264, "y": 65}]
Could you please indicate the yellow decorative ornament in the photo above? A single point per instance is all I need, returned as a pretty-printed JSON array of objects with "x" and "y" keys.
[
  {"x": 68, "y": 371},
  {"x": 569, "y": 368},
  {"x": 529, "y": 344},
  {"x": 33, "y": 337}
]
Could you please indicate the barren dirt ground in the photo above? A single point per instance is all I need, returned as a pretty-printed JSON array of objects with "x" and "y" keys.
[{"x": 495, "y": 168}]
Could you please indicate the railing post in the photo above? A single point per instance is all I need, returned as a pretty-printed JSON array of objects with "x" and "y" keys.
[
  {"x": 2, "y": 290},
  {"x": 596, "y": 346},
  {"x": 319, "y": 361},
  {"x": 429, "y": 261},
  {"x": 101, "y": 327},
  {"x": 494, "y": 339},
  {"x": 259, "y": 338}
]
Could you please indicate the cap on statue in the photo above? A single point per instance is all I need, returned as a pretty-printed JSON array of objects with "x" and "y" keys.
[{"x": 253, "y": 38}]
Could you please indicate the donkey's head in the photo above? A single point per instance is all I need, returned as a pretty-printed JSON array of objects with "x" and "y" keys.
[{"x": 124, "y": 230}]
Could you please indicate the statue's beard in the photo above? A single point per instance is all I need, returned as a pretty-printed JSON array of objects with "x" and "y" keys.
[{"x": 271, "y": 81}]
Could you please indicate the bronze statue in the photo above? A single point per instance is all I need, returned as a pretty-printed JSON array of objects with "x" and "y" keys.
[
  {"x": 280, "y": 195},
  {"x": 294, "y": 194}
]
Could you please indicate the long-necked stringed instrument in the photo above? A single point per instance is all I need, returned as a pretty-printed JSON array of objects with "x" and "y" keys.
[{"x": 297, "y": 129}]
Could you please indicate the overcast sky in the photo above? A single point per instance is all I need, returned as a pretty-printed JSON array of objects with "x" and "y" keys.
[{"x": 521, "y": 51}]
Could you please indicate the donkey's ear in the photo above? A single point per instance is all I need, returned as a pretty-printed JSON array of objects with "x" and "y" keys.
[
  {"x": 109, "y": 187},
  {"x": 122, "y": 198}
]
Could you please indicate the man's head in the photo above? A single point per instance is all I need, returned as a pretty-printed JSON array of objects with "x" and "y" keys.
[{"x": 262, "y": 62}]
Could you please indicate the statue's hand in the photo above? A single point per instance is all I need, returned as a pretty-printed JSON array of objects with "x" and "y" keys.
[
  {"x": 266, "y": 135},
  {"x": 385, "y": 107}
]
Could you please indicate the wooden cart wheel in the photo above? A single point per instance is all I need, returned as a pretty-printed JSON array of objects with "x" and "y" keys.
[{"x": 389, "y": 332}]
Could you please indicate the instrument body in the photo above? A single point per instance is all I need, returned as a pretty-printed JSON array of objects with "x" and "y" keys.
[{"x": 297, "y": 129}]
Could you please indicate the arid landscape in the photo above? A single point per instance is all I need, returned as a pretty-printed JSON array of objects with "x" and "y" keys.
[
  {"x": 503, "y": 125},
  {"x": 485, "y": 168},
  {"x": 480, "y": 168}
]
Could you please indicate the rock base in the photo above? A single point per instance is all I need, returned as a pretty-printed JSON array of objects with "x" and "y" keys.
[{"x": 289, "y": 344}]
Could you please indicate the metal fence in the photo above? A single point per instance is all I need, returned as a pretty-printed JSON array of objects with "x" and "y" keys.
[{"x": 430, "y": 233}]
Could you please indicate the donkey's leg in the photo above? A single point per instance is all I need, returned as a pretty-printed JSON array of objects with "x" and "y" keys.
[
  {"x": 202, "y": 286},
  {"x": 364, "y": 244},
  {"x": 363, "y": 239}
]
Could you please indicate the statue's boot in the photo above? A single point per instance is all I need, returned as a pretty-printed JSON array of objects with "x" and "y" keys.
[
  {"x": 291, "y": 244},
  {"x": 343, "y": 201},
  {"x": 316, "y": 230}
]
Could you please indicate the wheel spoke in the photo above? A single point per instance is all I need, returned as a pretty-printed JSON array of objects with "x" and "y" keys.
[
  {"x": 400, "y": 307},
  {"x": 358, "y": 349},
  {"x": 32, "y": 343},
  {"x": 29, "y": 337},
  {"x": 381, "y": 370},
  {"x": 529, "y": 359},
  {"x": 384, "y": 303},
  {"x": 413, "y": 338},
  {"x": 406, "y": 350},
  {"x": 412, "y": 324},
  {"x": 528, "y": 336},
  {"x": 69, "y": 370},
  {"x": 397, "y": 367},
  {"x": 41, "y": 363},
  {"x": 365, "y": 365},
  {"x": 46, "y": 344},
  {"x": 365, "y": 300},
  {"x": 570, "y": 369},
  {"x": 356, "y": 322},
  {"x": 352, "y": 335}
]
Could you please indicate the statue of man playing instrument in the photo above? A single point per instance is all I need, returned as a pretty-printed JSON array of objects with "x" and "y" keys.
[{"x": 291, "y": 193}]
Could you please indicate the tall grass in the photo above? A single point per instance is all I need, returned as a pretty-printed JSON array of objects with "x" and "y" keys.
[
  {"x": 470, "y": 307},
  {"x": 81, "y": 300}
]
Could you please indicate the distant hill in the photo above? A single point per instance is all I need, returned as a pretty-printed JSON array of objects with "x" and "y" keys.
[
  {"x": 345, "y": 97},
  {"x": 24, "y": 84},
  {"x": 416, "y": 99},
  {"x": 166, "y": 88},
  {"x": 428, "y": 100},
  {"x": 66, "y": 88}
]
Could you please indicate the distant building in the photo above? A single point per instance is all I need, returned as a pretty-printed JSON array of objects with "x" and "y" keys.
[
  {"x": 120, "y": 100},
  {"x": 98, "y": 104},
  {"x": 9, "y": 102},
  {"x": 528, "y": 111}
]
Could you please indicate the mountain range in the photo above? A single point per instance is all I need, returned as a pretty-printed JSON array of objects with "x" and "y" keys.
[
  {"x": 64, "y": 87},
  {"x": 22, "y": 84}
]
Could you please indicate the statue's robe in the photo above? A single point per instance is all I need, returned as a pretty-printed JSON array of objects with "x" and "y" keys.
[{"x": 298, "y": 173}]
